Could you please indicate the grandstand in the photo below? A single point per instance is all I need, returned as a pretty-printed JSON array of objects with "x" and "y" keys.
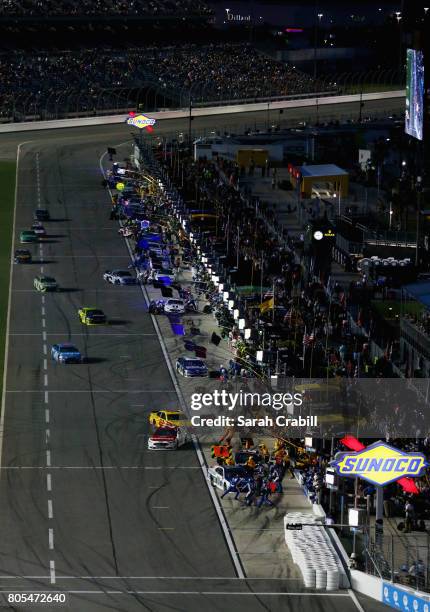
[
  {"x": 76, "y": 8},
  {"x": 51, "y": 85}
]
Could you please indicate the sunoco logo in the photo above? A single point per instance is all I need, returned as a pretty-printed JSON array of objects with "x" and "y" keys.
[
  {"x": 380, "y": 464},
  {"x": 141, "y": 121}
]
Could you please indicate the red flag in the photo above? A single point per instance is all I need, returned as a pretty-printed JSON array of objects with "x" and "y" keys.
[
  {"x": 408, "y": 485},
  {"x": 352, "y": 443}
]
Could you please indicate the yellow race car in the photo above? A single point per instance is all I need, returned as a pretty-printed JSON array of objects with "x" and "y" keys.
[
  {"x": 92, "y": 316},
  {"x": 172, "y": 418}
]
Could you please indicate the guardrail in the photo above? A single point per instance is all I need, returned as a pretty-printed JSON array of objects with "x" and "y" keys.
[{"x": 203, "y": 112}]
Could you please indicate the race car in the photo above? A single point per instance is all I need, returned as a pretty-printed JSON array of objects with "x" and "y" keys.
[
  {"x": 92, "y": 316},
  {"x": 163, "y": 275},
  {"x": 126, "y": 232},
  {"x": 175, "y": 306},
  {"x": 38, "y": 229},
  {"x": 41, "y": 214},
  {"x": 28, "y": 236},
  {"x": 168, "y": 438},
  {"x": 66, "y": 353},
  {"x": 22, "y": 256},
  {"x": 164, "y": 418},
  {"x": 45, "y": 283},
  {"x": 119, "y": 277},
  {"x": 220, "y": 476},
  {"x": 191, "y": 366}
]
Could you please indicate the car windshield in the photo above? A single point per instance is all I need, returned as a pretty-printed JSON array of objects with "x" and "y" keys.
[
  {"x": 48, "y": 279},
  {"x": 165, "y": 433},
  {"x": 68, "y": 349},
  {"x": 176, "y": 302},
  {"x": 122, "y": 273},
  {"x": 175, "y": 416},
  {"x": 94, "y": 311},
  {"x": 194, "y": 363}
]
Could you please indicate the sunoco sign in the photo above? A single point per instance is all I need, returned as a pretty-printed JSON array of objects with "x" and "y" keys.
[{"x": 379, "y": 464}]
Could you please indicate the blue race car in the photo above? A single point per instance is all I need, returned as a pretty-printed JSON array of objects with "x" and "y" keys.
[
  {"x": 66, "y": 353},
  {"x": 191, "y": 366},
  {"x": 220, "y": 476}
]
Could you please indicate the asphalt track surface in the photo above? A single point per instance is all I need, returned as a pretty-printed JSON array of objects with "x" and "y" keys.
[{"x": 85, "y": 509}]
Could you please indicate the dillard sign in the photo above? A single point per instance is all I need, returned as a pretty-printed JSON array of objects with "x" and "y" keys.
[{"x": 232, "y": 17}]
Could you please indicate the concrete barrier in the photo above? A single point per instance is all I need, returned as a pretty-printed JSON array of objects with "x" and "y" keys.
[{"x": 200, "y": 112}]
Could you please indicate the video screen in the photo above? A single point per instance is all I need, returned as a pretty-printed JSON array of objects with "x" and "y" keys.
[{"x": 414, "y": 93}]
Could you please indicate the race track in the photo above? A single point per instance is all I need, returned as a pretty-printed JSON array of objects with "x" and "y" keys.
[{"x": 84, "y": 507}]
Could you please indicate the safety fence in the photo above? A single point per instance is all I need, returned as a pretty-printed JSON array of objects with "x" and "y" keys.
[
  {"x": 151, "y": 96},
  {"x": 402, "y": 558}
]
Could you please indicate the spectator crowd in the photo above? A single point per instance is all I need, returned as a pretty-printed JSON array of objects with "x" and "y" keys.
[
  {"x": 130, "y": 8},
  {"x": 88, "y": 80}
]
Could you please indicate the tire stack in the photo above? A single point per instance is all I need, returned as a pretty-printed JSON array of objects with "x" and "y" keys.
[{"x": 312, "y": 552}]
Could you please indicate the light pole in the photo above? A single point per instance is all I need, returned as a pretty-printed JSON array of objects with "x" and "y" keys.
[
  {"x": 190, "y": 118},
  {"x": 418, "y": 189},
  {"x": 318, "y": 17},
  {"x": 399, "y": 18}
]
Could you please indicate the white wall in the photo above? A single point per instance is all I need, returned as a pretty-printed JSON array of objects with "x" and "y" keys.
[
  {"x": 366, "y": 584},
  {"x": 199, "y": 112}
]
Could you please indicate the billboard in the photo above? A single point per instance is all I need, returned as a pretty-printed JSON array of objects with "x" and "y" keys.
[{"x": 414, "y": 93}]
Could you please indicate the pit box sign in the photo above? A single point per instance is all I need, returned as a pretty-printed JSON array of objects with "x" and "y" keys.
[
  {"x": 379, "y": 464},
  {"x": 405, "y": 601}
]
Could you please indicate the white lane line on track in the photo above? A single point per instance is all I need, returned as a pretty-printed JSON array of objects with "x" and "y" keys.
[
  {"x": 44, "y": 336},
  {"x": 48, "y": 482},
  {"x": 166, "y": 528},
  {"x": 45, "y": 349},
  {"x": 47, "y": 435},
  {"x": 51, "y": 538},
  {"x": 47, "y": 415},
  {"x": 46, "y": 397},
  {"x": 99, "y": 467},
  {"x": 50, "y": 509},
  {"x": 210, "y": 593},
  {"x": 9, "y": 305},
  {"x": 52, "y": 571},
  {"x": 90, "y": 333},
  {"x": 123, "y": 391},
  {"x": 92, "y": 257},
  {"x": 43, "y": 311},
  {"x": 193, "y": 578},
  {"x": 48, "y": 458},
  {"x": 45, "y": 380},
  {"x": 43, "y": 323},
  {"x": 355, "y": 600},
  {"x": 45, "y": 364},
  {"x": 42, "y": 269},
  {"x": 43, "y": 299}
]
